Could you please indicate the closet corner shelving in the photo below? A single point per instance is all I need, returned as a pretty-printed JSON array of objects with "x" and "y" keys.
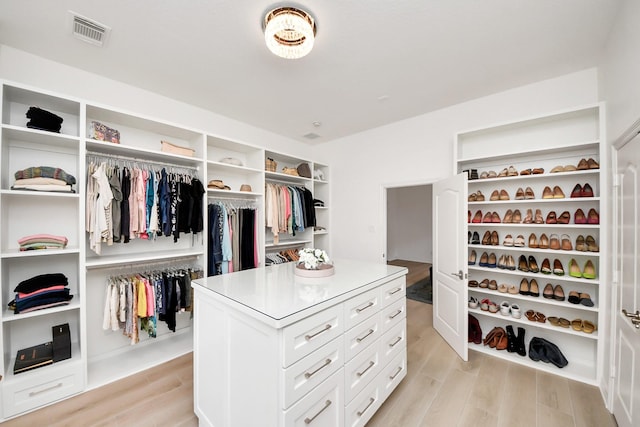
[
  {"x": 557, "y": 139},
  {"x": 318, "y": 236}
]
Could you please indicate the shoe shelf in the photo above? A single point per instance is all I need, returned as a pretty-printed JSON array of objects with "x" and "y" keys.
[
  {"x": 526, "y": 249},
  {"x": 565, "y": 278},
  {"x": 582, "y": 372},
  {"x": 580, "y": 200},
  {"x": 538, "y": 227},
  {"x": 537, "y": 300},
  {"x": 524, "y": 321},
  {"x": 507, "y": 155}
]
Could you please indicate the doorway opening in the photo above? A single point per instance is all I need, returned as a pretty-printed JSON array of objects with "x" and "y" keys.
[{"x": 409, "y": 234}]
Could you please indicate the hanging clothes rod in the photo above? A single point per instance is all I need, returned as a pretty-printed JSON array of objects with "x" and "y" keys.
[
  {"x": 140, "y": 160},
  {"x": 282, "y": 181}
]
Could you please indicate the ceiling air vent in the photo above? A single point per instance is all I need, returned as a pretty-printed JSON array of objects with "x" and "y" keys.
[
  {"x": 89, "y": 30},
  {"x": 311, "y": 135}
]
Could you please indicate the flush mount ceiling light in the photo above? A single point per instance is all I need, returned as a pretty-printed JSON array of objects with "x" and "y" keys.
[{"x": 289, "y": 32}]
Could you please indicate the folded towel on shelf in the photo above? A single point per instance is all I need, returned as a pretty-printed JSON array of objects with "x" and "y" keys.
[{"x": 45, "y": 172}]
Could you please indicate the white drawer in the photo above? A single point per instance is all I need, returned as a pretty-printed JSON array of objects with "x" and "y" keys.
[
  {"x": 391, "y": 375},
  {"x": 361, "y": 336},
  {"x": 393, "y": 314},
  {"x": 311, "y": 333},
  {"x": 393, "y": 290},
  {"x": 393, "y": 342},
  {"x": 363, "y": 406},
  {"x": 361, "y": 307},
  {"x": 322, "y": 407},
  {"x": 41, "y": 386},
  {"x": 305, "y": 374},
  {"x": 361, "y": 369}
]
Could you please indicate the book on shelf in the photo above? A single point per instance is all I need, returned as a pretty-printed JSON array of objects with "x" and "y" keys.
[{"x": 33, "y": 357}]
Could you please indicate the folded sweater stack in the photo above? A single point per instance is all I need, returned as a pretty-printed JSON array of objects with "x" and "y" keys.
[
  {"x": 44, "y": 178},
  {"x": 42, "y": 241},
  {"x": 39, "y": 292}
]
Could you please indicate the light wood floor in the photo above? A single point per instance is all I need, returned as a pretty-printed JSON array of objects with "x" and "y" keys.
[{"x": 439, "y": 390}]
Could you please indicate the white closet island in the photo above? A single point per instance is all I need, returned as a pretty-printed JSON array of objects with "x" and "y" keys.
[{"x": 271, "y": 348}]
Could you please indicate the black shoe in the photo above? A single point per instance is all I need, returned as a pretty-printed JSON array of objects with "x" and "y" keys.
[
  {"x": 512, "y": 341},
  {"x": 475, "y": 239},
  {"x": 520, "y": 347}
]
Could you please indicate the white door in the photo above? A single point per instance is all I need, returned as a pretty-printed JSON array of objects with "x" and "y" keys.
[
  {"x": 626, "y": 405},
  {"x": 450, "y": 262}
]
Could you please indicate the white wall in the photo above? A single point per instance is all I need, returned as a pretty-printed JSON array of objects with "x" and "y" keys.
[
  {"x": 619, "y": 86},
  {"x": 21, "y": 67},
  {"x": 409, "y": 225},
  {"x": 421, "y": 150}
]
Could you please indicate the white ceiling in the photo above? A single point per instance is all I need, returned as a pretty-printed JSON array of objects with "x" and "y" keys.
[{"x": 421, "y": 55}]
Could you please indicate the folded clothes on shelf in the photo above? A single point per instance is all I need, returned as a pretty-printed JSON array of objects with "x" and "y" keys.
[
  {"x": 43, "y": 119},
  {"x": 42, "y": 241},
  {"x": 39, "y": 292},
  {"x": 45, "y": 172}
]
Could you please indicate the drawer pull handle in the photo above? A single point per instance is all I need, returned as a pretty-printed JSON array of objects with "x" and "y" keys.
[
  {"x": 310, "y": 374},
  {"x": 359, "y": 339},
  {"x": 365, "y": 307},
  {"x": 394, "y": 315},
  {"x": 371, "y": 363},
  {"x": 326, "y": 405},
  {"x": 395, "y": 342},
  {"x": 371, "y": 400},
  {"x": 326, "y": 328},
  {"x": 395, "y": 290},
  {"x": 35, "y": 393},
  {"x": 391, "y": 377}
]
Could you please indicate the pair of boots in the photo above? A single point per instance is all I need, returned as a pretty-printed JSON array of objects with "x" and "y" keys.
[
  {"x": 541, "y": 349},
  {"x": 475, "y": 331},
  {"x": 497, "y": 338},
  {"x": 515, "y": 343}
]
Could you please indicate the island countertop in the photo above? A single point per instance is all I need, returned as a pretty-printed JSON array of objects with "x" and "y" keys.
[{"x": 276, "y": 296}]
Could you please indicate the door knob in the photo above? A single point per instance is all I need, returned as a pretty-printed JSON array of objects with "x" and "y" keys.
[
  {"x": 633, "y": 316},
  {"x": 459, "y": 274}
]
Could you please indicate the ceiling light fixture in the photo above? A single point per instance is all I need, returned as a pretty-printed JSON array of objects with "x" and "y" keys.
[{"x": 289, "y": 32}]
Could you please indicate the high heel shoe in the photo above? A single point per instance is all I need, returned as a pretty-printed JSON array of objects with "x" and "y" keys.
[
  {"x": 557, "y": 193},
  {"x": 594, "y": 217},
  {"x": 534, "y": 290},
  {"x": 477, "y": 218},
  {"x": 551, "y": 218},
  {"x": 577, "y": 191},
  {"x": 472, "y": 258},
  {"x": 558, "y": 293},
  {"x": 486, "y": 238},
  {"x": 475, "y": 239},
  {"x": 583, "y": 165},
  {"x": 544, "y": 242},
  {"x": 587, "y": 191},
  {"x": 554, "y": 242},
  {"x": 566, "y": 245},
  {"x": 591, "y": 244},
  {"x": 492, "y": 262},
  {"x": 533, "y": 265},
  {"x": 574, "y": 268},
  {"x": 504, "y": 195},
  {"x": 484, "y": 259},
  {"x": 589, "y": 271},
  {"x": 557, "y": 268},
  {"x": 517, "y": 217},
  {"x": 495, "y": 196},
  {"x": 508, "y": 241},
  {"x": 528, "y": 219},
  {"x": 508, "y": 217},
  {"x": 538, "y": 217},
  {"x": 522, "y": 264},
  {"x": 495, "y": 218},
  {"x": 520, "y": 194},
  {"x": 524, "y": 287},
  {"x": 494, "y": 239},
  {"x": 529, "y": 194},
  {"x": 548, "y": 291},
  {"x": 519, "y": 242},
  {"x": 533, "y": 241},
  {"x": 547, "y": 193},
  {"x": 564, "y": 218},
  {"x": 486, "y": 218},
  {"x": 579, "y": 217},
  {"x": 546, "y": 267},
  {"x": 580, "y": 244},
  {"x": 593, "y": 164}
]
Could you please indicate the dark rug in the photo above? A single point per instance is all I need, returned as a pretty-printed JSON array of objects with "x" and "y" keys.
[{"x": 421, "y": 291}]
